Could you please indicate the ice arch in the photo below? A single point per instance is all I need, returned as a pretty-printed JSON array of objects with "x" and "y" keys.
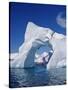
[
  {"x": 45, "y": 51},
  {"x": 35, "y": 37}
]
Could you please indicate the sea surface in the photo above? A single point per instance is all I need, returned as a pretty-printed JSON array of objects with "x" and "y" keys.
[{"x": 37, "y": 76}]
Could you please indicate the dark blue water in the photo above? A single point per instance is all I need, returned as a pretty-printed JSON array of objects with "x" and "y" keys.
[{"x": 37, "y": 76}]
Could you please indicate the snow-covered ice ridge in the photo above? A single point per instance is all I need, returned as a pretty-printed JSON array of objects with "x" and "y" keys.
[{"x": 35, "y": 37}]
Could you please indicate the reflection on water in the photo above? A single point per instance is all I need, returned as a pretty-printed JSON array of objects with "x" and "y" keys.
[{"x": 37, "y": 76}]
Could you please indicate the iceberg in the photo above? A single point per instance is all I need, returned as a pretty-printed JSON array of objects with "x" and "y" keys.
[
  {"x": 12, "y": 56},
  {"x": 36, "y": 37}
]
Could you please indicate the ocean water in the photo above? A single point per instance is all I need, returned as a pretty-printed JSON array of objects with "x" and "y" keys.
[{"x": 37, "y": 76}]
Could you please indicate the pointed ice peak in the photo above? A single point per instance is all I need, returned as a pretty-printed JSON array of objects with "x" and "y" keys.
[
  {"x": 35, "y": 31},
  {"x": 33, "y": 25}
]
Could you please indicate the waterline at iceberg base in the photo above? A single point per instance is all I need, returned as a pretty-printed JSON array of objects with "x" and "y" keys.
[{"x": 27, "y": 67}]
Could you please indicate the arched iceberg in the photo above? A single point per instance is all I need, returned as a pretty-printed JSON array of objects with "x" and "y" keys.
[{"x": 35, "y": 37}]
